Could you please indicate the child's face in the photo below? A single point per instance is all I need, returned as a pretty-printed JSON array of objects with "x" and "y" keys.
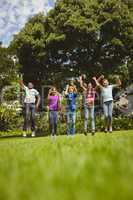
[
  {"x": 71, "y": 89},
  {"x": 30, "y": 85},
  {"x": 89, "y": 86},
  {"x": 105, "y": 83},
  {"x": 54, "y": 91}
]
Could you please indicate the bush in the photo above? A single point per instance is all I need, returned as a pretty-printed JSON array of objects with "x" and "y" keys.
[
  {"x": 11, "y": 123},
  {"x": 9, "y": 119}
]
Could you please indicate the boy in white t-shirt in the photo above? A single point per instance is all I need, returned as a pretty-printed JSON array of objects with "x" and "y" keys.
[{"x": 31, "y": 104}]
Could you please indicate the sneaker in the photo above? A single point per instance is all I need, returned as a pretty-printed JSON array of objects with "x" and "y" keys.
[
  {"x": 72, "y": 135},
  {"x": 106, "y": 130},
  {"x": 93, "y": 132},
  {"x": 110, "y": 129},
  {"x": 24, "y": 134},
  {"x": 33, "y": 134},
  {"x": 85, "y": 132}
]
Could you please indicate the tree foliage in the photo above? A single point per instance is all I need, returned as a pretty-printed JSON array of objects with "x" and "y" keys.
[
  {"x": 91, "y": 36},
  {"x": 8, "y": 69}
]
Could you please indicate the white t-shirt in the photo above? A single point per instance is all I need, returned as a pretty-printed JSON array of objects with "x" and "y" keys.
[
  {"x": 30, "y": 95},
  {"x": 107, "y": 93}
]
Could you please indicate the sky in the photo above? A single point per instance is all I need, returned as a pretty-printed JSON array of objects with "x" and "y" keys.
[{"x": 14, "y": 15}]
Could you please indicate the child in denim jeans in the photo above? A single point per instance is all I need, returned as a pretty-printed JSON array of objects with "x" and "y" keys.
[
  {"x": 107, "y": 97},
  {"x": 70, "y": 94},
  {"x": 31, "y": 105},
  {"x": 54, "y": 107}
]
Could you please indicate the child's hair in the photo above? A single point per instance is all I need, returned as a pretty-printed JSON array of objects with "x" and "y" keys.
[
  {"x": 72, "y": 87},
  {"x": 53, "y": 88},
  {"x": 92, "y": 82}
]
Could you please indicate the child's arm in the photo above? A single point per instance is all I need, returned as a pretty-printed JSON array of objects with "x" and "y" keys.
[
  {"x": 81, "y": 83},
  {"x": 75, "y": 89},
  {"x": 21, "y": 84},
  {"x": 99, "y": 80},
  {"x": 66, "y": 91},
  {"x": 97, "y": 83},
  {"x": 49, "y": 92},
  {"x": 118, "y": 82},
  {"x": 38, "y": 102},
  {"x": 59, "y": 102}
]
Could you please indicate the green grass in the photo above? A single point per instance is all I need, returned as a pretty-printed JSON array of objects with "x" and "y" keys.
[{"x": 79, "y": 168}]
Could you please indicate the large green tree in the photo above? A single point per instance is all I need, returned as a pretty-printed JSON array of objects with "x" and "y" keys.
[{"x": 91, "y": 36}]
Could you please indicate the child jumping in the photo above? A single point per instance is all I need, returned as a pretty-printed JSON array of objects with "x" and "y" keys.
[
  {"x": 54, "y": 106},
  {"x": 31, "y": 104},
  {"x": 89, "y": 98},
  {"x": 88, "y": 101},
  {"x": 107, "y": 98},
  {"x": 70, "y": 94}
]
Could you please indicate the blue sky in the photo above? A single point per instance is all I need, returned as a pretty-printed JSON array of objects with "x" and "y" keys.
[{"x": 14, "y": 14}]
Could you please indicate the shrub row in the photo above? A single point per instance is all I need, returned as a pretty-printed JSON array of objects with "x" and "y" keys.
[{"x": 11, "y": 122}]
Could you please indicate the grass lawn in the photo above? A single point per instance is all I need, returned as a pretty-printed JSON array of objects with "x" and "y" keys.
[{"x": 80, "y": 168}]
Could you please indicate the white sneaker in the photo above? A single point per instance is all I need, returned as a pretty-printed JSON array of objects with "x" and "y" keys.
[
  {"x": 73, "y": 135},
  {"x": 24, "y": 134},
  {"x": 33, "y": 134},
  {"x": 110, "y": 129}
]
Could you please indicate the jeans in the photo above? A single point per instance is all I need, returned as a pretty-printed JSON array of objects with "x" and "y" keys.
[
  {"x": 53, "y": 119},
  {"x": 29, "y": 113},
  {"x": 108, "y": 110},
  {"x": 70, "y": 119},
  {"x": 89, "y": 110}
]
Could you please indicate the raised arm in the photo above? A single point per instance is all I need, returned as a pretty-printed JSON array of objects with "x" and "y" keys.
[
  {"x": 75, "y": 89},
  {"x": 81, "y": 83},
  {"x": 49, "y": 92},
  {"x": 97, "y": 82},
  {"x": 66, "y": 91},
  {"x": 118, "y": 82},
  {"x": 100, "y": 78},
  {"x": 21, "y": 84}
]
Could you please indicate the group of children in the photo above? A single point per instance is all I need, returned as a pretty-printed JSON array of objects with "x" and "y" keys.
[{"x": 32, "y": 101}]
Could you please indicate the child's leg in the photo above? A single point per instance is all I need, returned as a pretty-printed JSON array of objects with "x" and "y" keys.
[
  {"x": 55, "y": 121},
  {"x": 73, "y": 115},
  {"x": 51, "y": 122},
  {"x": 68, "y": 122},
  {"x": 92, "y": 119},
  {"x": 26, "y": 117},
  {"x": 110, "y": 110},
  {"x": 32, "y": 107},
  {"x": 86, "y": 112},
  {"x": 105, "y": 109}
]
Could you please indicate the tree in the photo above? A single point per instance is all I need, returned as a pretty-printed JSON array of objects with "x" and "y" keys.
[
  {"x": 91, "y": 36},
  {"x": 8, "y": 69}
]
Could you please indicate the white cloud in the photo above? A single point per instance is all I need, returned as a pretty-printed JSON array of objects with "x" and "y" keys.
[{"x": 14, "y": 14}]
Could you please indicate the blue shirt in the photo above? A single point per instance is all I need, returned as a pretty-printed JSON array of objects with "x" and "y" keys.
[{"x": 71, "y": 101}]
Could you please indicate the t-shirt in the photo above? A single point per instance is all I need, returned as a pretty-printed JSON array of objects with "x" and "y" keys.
[
  {"x": 90, "y": 97},
  {"x": 30, "y": 95},
  {"x": 71, "y": 101},
  {"x": 107, "y": 93},
  {"x": 53, "y": 102}
]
